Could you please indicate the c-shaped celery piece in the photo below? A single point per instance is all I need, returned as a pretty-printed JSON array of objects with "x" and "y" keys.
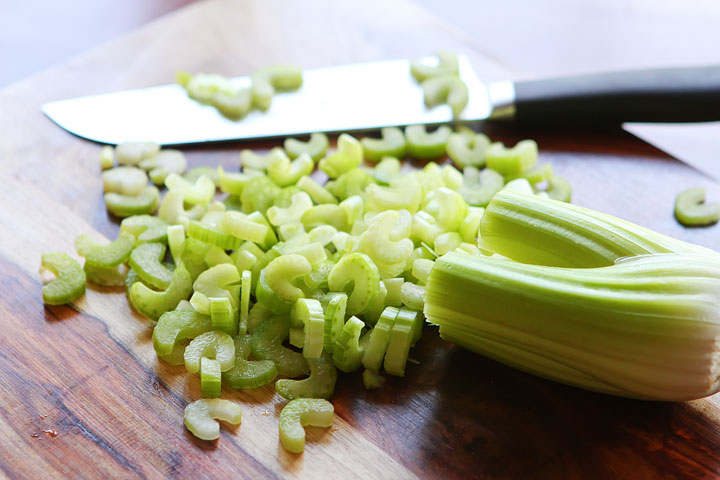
[
  {"x": 448, "y": 208},
  {"x": 512, "y": 161},
  {"x": 285, "y": 172},
  {"x": 352, "y": 182},
  {"x": 153, "y": 304},
  {"x": 308, "y": 314},
  {"x": 334, "y": 318},
  {"x": 300, "y": 413},
  {"x": 299, "y": 204},
  {"x": 233, "y": 105},
  {"x": 423, "y": 145},
  {"x": 392, "y": 144},
  {"x": 363, "y": 273},
  {"x": 210, "y": 378},
  {"x": 691, "y": 209},
  {"x": 467, "y": 148},
  {"x": 176, "y": 326},
  {"x": 132, "y": 153},
  {"x": 316, "y": 146},
  {"x": 69, "y": 281},
  {"x": 560, "y": 189},
  {"x": 214, "y": 344},
  {"x": 267, "y": 344},
  {"x": 348, "y": 349},
  {"x": 379, "y": 243},
  {"x": 109, "y": 255},
  {"x": 320, "y": 383},
  {"x": 126, "y": 205},
  {"x": 259, "y": 194},
  {"x": 318, "y": 193},
  {"x": 218, "y": 281},
  {"x": 448, "y": 89},
  {"x": 200, "y": 192},
  {"x": 163, "y": 164},
  {"x": 404, "y": 193},
  {"x": 146, "y": 261},
  {"x": 479, "y": 187},
  {"x": 447, "y": 64},
  {"x": 201, "y": 417},
  {"x": 386, "y": 170},
  {"x": 402, "y": 337},
  {"x": 145, "y": 228},
  {"x": 379, "y": 337},
  {"x": 281, "y": 271},
  {"x": 172, "y": 209},
  {"x": 268, "y": 79},
  {"x": 129, "y": 181},
  {"x": 349, "y": 155},
  {"x": 248, "y": 373}
]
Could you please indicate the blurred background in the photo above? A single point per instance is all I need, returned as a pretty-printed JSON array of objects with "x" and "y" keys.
[{"x": 540, "y": 38}]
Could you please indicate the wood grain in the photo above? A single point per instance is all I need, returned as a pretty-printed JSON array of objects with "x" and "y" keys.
[{"x": 89, "y": 372}]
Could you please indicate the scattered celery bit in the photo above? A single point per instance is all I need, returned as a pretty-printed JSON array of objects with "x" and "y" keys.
[
  {"x": 107, "y": 157},
  {"x": 152, "y": 303},
  {"x": 347, "y": 349},
  {"x": 266, "y": 343},
  {"x": 423, "y": 145},
  {"x": 210, "y": 377},
  {"x": 175, "y": 326},
  {"x": 320, "y": 383},
  {"x": 163, "y": 164},
  {"x": 316, "y": 146},
  {"x": 372, "y": 379},
  {"x": 146, "y": 261},
  {"x": 448, "y": 89},
  {"x": 512, "y": 161},
  {"x": 128, "y": 181},
  {"x": 132, "y": 153},
  {"x": 269, "y": 79},
  {"x": 298, "y": 414},
  {"x": 248, "y": 373},
  {"x": 214, "y": 344},
  {"x": 447, "y": 64},
  {"x": 467, "y": 148},
  {"x": 691, "y": 209},
  {"x": 110, "y": 255},
  {"x": 69, "y": 282},
  {"x": 145, "y": 228},
  {"x": 392, "y": 144},
  {"x": 349, "y": 155},
  {"x": 126, "y": 205},
  {"x": 201, "y": 417}
]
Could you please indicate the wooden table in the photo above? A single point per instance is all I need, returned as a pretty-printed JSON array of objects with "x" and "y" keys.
[{"x": 83, "y": 394}]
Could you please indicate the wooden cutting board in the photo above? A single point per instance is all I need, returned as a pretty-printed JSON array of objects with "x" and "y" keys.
[{"x": 83, "y": 395}]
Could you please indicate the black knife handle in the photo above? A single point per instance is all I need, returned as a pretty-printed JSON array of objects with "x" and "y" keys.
[{"x": 690, "y": 94}]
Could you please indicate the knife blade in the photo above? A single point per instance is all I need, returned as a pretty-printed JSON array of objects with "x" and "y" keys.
[{"x": 373, "y": 95}]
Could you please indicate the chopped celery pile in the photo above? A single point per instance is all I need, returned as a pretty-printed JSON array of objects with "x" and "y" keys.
[{"x": 267, "y": 272}]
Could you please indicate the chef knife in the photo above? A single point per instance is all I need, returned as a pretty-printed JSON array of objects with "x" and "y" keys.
[{"x": 373, "y": 95}]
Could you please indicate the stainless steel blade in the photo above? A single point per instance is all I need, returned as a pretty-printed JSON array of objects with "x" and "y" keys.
[{"x": 345, "y": 98}]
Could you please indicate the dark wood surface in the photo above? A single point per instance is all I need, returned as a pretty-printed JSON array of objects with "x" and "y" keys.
[{"x": 87, "y": 374}]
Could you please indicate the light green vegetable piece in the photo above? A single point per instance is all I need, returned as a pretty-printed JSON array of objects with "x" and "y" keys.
[
  {"x": 479, "y": 187},
  {"x": 308, "y": 314},
  {"x": 448, "y": 89},
  {"x": 69, "y": 282},
  {"x": 372, "y": 379},
  {"x": 349, "y": 155},
  {"x": 269, "y": 79},
  {"x": 349, "y": 349},
  {"x": 401, "y": 339},
  {"x": 281, "y": 271},
  {"x": 233, "y": 105},
  {"x": 200, "y": 192},
  {"x": 219, "y": 281},
  {"x": 381, "y": 243},
  {"x": 204, "y": 86},
  {"x": 423, "y": 145},
  {"x": 175, "y": 326},
  {"x": 152, "y": 303},
  {"x": 285, "y": 172},
  {"x": 125, "y": 205},
  {"x": 358, "y": 269},
  {"x": 146, "y": 261},
  {"x": 267, "y": 344},
  {"x": 691, "y": 209},
  {"x": 467, "y": 148},
  {"x": 212, "y": 173},
  {"x": 386, "y": 170},
  {"x": 214, "y": 344},
  {"x": 201, "y": 417},
  {"x": 446, "y": 64},
  {"x": 316, "y": 146},
  {"x": 145, "y": 229},
  {"x": 248, "y": 373},
  {"x": 560, "y": 189},
  {"x": 392, "y": 144},
  {"x": 130, "y": 181},
  {"x": 163, "y": 164},
  {"x": 412, "y": 295},
  {"x": 109, "y": 255},
  {"x": 318, "y": 194},
  {"x": 300, "y": 413},
  {"x": 106, "y": 276},
  {"x": 107, "y": 157},
  {"x": 320, "y": 383},
  {"x": 379, "y": 338},
  {"x": 300, "y": 203},
  {"x": 132, "y": 153},
  {"x": 210, "y": 377},
  {"x": 512, "y": 161}
]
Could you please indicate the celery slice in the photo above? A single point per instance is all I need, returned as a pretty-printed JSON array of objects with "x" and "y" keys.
[
  {"x": 480, "y": 187},
  {"x": 201, "y": 417},
  {"x": 259, "y": 194},
  {"x": 175, "y": 326},
  {"x": 379, "y": 243},
  {"x": 296, "y": 337},
  {"x": 392, "y": 144},
  {"x": 512, "y": 161},
  {"x": 200, "y": 192},
  {"x": 298, "y": 414},
  {"x": 284, "y": 172},
  {"x": 214, "y": 344},
  {"x": 193, "y": 257},
  {"x": 358, "y": 269},
  {"x": 258, "y": 314},
  {"x": 132, "y": 153},
  {"x": 106, "y": 276},
  {"x": 447, "y": 64},
  {"x": 325, "y": 214},
  {"x": 386, "y": 170},
  {"x": 69, "y": 282},
  {"x": 153, "y": 304},
  {"x": 145, "y": 228},
  {"x": 379, "y": 338},
  {"x": 210, "y": 378},
  {"x": 213, "y": 235},
  {"x": 394, "y": 288},
  {"x": 352, "y": 182},
  {"x": 318, "y": 194},
  {"x": 216, "y": 282},
  {"x": 320, "y": 383},
  {"x": 300, "y": 203},
  {"x": 163, "y": 164},
  {"x": 245, "y": 287},
  {"x": 448, "y": 89},
  {"x": 248, "y": 373},
  {"x": 239, "y": 225},
  {"x": 348, "y": 348},
  {"x": 275, "y": 77},
  {"x": 213, "y": 174},
  {"x": 316, "y": 146},
  {"x": 146, "y": 261},
  {"x": 691, "y": 209},
  {"x": 128, "y": 181},
  {"x": 398, "y": 346},
  {"x": 470, "y": 225},
  {"x": 233, "y": 105},
  {"x": 412, "y": 295},
  {"x": 107, "y": 157},
  {"x": 334, "y": 319},
  {"x": 125, "y": 205},
  {"x": 266, "y": 343},
  {"x": 467, "y": 148},
  {"x": 423, "y": 145},
  {"x": 110, "y": 255},
  {"x": 560, "y": 189},
  {"x": 222, "y": 315},
  {"x": 349, "y": 155},
  {"x": 372, "y": 379},
  {"x": 281, "y": 271}
]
